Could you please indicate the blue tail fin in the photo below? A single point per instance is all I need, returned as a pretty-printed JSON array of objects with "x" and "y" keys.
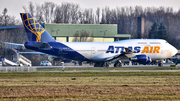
[{"x": 34, "y": 30}]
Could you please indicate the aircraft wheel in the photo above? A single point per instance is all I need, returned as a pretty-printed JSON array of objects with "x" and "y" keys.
[
  {"x": 99, "y": 64},
  {"x": 118, "y": 64},
  {"x": 160, "y": 64},
  {"x": 106, "y": 64}
]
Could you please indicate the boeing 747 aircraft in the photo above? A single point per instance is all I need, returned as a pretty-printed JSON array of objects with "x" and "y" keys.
[{"x": 142, "y": 51}]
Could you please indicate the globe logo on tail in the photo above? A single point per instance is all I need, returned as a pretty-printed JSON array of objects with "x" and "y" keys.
[{"x": 34, "y": 27}]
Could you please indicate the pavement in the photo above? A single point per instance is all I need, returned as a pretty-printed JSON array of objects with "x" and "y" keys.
[
  {"x": 34, "y": 68},
  {"x": 91, "y": 66}
]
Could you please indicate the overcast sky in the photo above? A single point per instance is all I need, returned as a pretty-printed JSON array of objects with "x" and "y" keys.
[{"x": 15, "y": 6}]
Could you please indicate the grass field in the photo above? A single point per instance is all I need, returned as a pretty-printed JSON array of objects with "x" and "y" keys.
[{"x": 90, "y": 86}]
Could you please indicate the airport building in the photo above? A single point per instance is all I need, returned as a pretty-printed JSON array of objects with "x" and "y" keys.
[{"x": 94, "y": 32}]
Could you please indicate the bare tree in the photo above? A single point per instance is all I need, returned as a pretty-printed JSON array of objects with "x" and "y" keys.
[
  {"x": 97, "y": 15},
  {"x": 31, "y": 8},
  {"x": 5, "y": 17},
  {"x": 39, "y": 14},
  {"x": 48, "y": 11},
  {"x": 103, "y": 19},
  {"x": 7, "y": 20},
  {"x": 74, "y": 13},
  {"x": 57, "y": 15},
  {"x": 76, "y": 37},
  {"x": 83, "y": 36}
]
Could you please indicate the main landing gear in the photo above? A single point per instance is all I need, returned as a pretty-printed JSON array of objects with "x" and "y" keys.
[
  {"x": 118, "y": 63},
  {"x": 101, "y": 64},
  {"x": 160, "y": 63}
]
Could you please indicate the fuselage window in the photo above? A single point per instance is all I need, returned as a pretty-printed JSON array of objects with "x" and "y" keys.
[
  {"x": 155, "y": 43},
  {"x": 142, "y": 42}
]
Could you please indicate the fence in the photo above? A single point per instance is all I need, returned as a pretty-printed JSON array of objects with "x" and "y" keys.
[{"x": 18, "y": 69}]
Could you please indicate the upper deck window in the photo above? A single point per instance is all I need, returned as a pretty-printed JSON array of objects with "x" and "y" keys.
[
  {"x": 142, "y": 42},
  {"x": 155, "y": 43}
]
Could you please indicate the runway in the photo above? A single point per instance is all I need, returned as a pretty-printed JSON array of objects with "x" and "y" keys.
[
  {"x": 112, "y": 71},
  {"x": 111, "y": 66},
  {"x": 88, "y": 68}
]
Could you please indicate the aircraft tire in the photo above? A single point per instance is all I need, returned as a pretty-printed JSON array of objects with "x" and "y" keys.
[
  {"x": 99, "y": 64},
  {"x": 106, "y": 64},
  {"x": 160, "y": 64},
  {"x": 118, "y": 64}
]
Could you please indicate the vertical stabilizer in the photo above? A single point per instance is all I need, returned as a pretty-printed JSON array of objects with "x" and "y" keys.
[{"x": 34, "y": 30}]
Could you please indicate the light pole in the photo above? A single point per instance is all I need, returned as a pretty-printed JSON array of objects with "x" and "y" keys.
[
  {"x": 79, "y": 31},
  {"x": 104, "y": 32}
]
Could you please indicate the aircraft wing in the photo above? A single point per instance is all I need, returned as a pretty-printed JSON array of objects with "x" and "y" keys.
[
  {"x": 38, "y": 53},
  {"x": 31, "y": 53},
  {"x": 14, "y": 44},
  {"x": 16, "y": 51}
]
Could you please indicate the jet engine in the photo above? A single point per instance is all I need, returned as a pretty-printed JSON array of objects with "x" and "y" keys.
[{"x": 142, "y": 59}]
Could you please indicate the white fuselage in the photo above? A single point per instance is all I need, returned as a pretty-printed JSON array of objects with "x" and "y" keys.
[{"x": 101, "y": 51}]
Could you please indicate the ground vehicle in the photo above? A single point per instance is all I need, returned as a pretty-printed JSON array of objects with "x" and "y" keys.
[{"x": 45, "y": 63}]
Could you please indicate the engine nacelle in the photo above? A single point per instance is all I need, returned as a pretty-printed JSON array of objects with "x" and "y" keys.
[{"x": 142, "y": 59}]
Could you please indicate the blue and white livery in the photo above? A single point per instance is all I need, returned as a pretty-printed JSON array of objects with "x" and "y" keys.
[{"x": 142, "y": 51}]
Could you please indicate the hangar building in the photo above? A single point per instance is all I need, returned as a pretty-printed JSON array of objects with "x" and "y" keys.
[{"x": 99, "y": 32}]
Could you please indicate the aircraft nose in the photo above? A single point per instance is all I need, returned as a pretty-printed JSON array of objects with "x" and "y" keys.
[{"x": 174, "y": 50}]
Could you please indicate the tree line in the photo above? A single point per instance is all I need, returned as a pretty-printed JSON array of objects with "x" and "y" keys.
[{"x": 7, "y": 20}]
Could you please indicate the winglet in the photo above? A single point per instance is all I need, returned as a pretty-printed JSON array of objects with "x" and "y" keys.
[{"x": 15, "y": 51}]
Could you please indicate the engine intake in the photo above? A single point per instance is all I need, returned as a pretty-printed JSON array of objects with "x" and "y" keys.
[{"x": 142, "y": 59}]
